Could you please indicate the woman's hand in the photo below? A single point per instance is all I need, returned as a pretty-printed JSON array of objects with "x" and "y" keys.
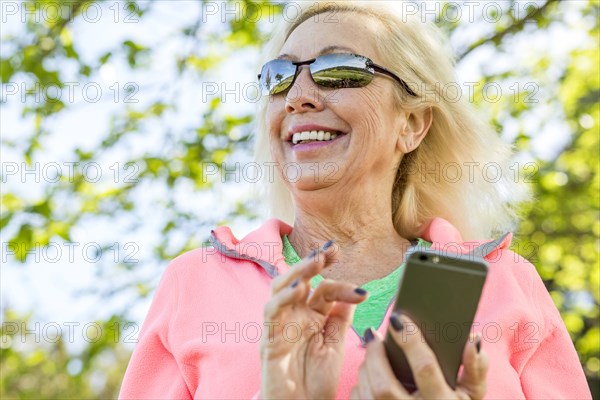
[
  {"x": 303, "y": 348},
  {"x": 377, "y": 380}
]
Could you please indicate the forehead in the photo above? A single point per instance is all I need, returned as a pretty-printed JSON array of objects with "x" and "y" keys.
[{"x": 333, "y": 32}]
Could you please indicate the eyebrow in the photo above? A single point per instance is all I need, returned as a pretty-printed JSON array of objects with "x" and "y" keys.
[{"x": 325, "y": 50}]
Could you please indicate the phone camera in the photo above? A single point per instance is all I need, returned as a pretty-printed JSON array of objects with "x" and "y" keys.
[{"x": 423, "y": 257}]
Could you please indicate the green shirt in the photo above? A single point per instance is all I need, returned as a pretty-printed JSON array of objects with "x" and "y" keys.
[{"x": 369, "y": 313}]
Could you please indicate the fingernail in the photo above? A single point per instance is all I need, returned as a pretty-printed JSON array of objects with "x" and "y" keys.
[
  {"x": 360, "y": 291},
  {"x": 396, "y": 323},
  {"x": 478, "y": 344},
  {"x": 327, "y": 245},
  {"x": 295, "y": 283},
  {"x": 369, "y": 335},
  {"x": 312, "y": 254}
]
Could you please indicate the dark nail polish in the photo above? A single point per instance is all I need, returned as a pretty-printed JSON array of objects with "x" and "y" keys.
[
  {"x": 369, "y": 335},
  {"x": 295, "y": 283},
  {"x": 327, "y": 245},
  {"x": 478, "y": 344},
  {"x": 312, "y": 254},
  {"x": 396, "y": 323},
  {"x": 360, "y": 291}
]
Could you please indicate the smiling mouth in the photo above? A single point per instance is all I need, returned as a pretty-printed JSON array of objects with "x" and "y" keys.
[{"x": 313, "y": 136}]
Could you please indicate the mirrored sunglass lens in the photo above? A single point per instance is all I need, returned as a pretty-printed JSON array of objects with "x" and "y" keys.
[
  {"x": 341, "y": 71},
  {"x": 277, "y": 75}
]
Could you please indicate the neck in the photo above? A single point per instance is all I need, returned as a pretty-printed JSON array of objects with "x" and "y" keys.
[{"x": 367, "y": 245}]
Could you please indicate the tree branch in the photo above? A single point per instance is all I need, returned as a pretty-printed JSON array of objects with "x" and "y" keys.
[{"x": 515, "y": 27}]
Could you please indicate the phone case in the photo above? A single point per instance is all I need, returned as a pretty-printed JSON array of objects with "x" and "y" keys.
[{"x": 440, "y": 293}]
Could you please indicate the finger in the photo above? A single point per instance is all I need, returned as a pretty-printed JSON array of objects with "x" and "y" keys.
[
  {"x": 354, "y": 394},
  {"x": 330, "y": 291},
  {"x": 422, "y": 360},
  {"x": 310, "y": 266},
  {"x": 382, "y": 380},
  {"x": 311, "y": 263},
  {"x": 364, "y": 387},
  {"x": 475, "y": 365},
  {"x": 338, "y": 322},
  {"x": 295, "y": 293}
]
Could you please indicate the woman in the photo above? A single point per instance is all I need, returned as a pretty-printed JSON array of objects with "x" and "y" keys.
[{"x": 348, "y": 110}]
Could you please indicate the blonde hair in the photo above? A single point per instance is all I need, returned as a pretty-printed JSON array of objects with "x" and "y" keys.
[{"x": 460, "y": 171}]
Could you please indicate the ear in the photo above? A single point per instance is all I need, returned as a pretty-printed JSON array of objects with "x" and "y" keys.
[{"x": 415, "y": 128}]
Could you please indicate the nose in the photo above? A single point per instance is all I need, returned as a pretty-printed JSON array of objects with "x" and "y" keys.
[{"x": 303, "y": 95}]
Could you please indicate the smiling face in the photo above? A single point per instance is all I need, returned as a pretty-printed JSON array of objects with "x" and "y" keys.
[{"x": 366, "y": 122}]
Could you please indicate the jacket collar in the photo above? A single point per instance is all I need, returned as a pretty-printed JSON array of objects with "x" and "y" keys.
[
  {"x": 444, "y": 236},
  {"x": 264, "y": 247}
]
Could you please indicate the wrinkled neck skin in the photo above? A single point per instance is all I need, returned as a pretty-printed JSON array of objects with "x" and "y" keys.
[{"x": 367, "y": 246}]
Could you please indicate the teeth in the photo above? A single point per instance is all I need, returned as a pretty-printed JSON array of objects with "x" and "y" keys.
[{"x": 313, "y": 135}]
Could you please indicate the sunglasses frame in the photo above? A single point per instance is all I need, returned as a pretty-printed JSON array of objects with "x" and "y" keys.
[{"x": 368, "y": 64}]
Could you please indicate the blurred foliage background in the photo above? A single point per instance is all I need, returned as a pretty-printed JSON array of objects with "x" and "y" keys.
[{"x": 167, "y": 143}]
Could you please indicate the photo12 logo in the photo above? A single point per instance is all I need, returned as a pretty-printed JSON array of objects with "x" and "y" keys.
[
  {"x": 53, "y": 12},
  {"x": 67, "y": 332},
  {"x": 54, "y": 252},
  {"x": 69, "y": 92},
  {"x": 69, "y": 171}
]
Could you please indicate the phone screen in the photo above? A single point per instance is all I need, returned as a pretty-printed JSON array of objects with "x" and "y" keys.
[{"x": 440, "y": 293}]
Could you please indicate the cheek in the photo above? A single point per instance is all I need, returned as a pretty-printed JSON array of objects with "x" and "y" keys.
[
  {"x": 272, "y": 116},
  {"x": 372, "y": 113}
]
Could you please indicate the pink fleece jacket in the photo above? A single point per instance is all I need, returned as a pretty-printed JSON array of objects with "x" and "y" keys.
[{"x": 201, "y": 336}]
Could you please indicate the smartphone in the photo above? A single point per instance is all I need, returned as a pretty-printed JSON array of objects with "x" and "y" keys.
[{"x": 440, "y": 293}]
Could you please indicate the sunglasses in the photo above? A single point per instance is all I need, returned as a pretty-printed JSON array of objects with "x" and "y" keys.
[{"x": 335, "y": 70}]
